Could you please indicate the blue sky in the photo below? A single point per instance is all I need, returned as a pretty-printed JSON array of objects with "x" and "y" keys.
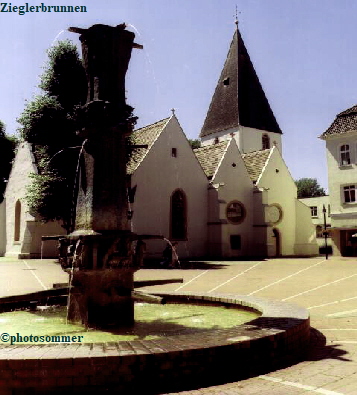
[{"x": 304, "y": 53}]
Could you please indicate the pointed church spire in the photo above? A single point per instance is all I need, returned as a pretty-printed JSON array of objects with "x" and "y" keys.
[{"x": 239, "y": 98}]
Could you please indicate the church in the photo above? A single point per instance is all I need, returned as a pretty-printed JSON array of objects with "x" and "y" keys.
[{"x": 231, "y": 198}]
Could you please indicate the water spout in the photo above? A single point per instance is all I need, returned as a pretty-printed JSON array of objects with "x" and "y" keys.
[{"x": 57, "y": 37}]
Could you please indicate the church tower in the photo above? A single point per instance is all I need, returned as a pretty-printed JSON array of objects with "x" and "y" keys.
[{"x": 239, "y": 106}]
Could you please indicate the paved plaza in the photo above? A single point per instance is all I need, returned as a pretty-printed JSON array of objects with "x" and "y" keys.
[{"x": 327, "y": 288}]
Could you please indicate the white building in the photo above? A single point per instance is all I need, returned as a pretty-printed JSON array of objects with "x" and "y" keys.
[
  {"x": 341, "y": 151},
  {"x": 317, "y": 205}
]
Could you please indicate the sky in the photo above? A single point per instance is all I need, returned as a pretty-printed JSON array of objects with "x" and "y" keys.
[{"x": 304, "y": 52}]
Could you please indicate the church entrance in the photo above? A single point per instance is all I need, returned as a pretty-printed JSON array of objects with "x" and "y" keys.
[{"x": 277, "y": 236}]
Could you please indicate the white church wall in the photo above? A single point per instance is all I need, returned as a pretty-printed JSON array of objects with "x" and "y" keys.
[
  {"x": 159, "y": 175},
  {"x": 282, "y": 191},
  {"x": 247, "y": 139},
  {"x": 25, "y": 242},
  {"x": 251, "y": 139},
  {"x": 235, "y": 185},
  {"x": 15, "y": 192}
]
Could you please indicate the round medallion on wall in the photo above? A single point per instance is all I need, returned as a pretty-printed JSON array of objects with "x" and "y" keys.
[
  {"x": 235, "y": 212},
  {"x": 274, "y": 214}
]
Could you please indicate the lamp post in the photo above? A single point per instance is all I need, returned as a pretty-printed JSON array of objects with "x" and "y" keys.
[{"x": 325, "y": 231}]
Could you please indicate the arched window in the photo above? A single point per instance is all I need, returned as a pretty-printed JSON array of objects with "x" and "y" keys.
[
  {"x": 17, "y": 221},
  {"x": 178, "y": 215},
  {"x": 345, "y": 155},
  {"x": 265, "y": 141}
]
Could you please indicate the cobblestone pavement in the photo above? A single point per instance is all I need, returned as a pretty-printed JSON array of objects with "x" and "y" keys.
[{"x": 326, "y": 288}]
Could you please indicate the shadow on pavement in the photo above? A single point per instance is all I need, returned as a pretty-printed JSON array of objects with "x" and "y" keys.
[{"x": 319, "y": 350}]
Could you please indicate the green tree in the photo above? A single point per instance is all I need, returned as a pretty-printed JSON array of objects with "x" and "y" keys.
[
  {"x": 194, "y": 143},
  {"x": 48, "y": 123},
  {"x": 309, "y": 187},
  {"x": 7, "y": 153}
]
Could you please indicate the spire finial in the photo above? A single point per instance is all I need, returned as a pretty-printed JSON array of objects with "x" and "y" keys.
[
  {"x": 236, "y": 20},
  {"x": 173, "y": 111}
]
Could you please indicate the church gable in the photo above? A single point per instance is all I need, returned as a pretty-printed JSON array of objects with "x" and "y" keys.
[
  {"x": 144, "y": 136},
  {"x": 239, "y": 98}
]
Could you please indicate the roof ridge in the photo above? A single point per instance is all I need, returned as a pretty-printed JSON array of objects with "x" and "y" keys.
[{"x": 152, "y": 124}]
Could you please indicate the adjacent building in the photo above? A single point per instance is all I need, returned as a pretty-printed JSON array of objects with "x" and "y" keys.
[{"x": 341, "y": 151}]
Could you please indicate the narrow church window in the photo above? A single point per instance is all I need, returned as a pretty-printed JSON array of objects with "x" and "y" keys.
[
  {"x": 235, "y": 212},
  {"x": 265, "y": 141},
  {"x": 226, "y": 81},
  {"x": 178, "y": 215},
  {"x": 17, "y": 221},
  {"x": 174, "y": 152},
  {"x": 345, "y": 155}
]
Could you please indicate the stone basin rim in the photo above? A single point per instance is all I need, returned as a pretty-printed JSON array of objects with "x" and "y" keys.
[{"x": 280, "y": 336}]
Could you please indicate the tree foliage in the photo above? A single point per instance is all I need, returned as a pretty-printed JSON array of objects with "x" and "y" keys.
[
  {"x": 194, "y": 143},
  {"x": 64, "y": 77},
  {"x": 7, "y": 153},
  {"x": 309, "y": 187},
  {"x": 48, "y": 123}
]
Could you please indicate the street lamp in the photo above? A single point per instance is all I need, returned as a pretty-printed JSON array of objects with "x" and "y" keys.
[{"x": 325, "y": 231}]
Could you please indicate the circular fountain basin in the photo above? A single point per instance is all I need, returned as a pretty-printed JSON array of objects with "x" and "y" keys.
[
  {"x": 152, "y": 321},
  {"x": 279, "y": 336}
]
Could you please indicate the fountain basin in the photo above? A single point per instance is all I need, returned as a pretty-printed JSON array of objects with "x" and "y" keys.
[{"x": 278, "y": 337}]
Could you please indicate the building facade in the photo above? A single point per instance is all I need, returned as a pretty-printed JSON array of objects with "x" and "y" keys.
[{"x": 341, "y": 151}]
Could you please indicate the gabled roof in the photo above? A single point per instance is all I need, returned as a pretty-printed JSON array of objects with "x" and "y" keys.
[
  {"x": 255, "y": 162},
  {"x": 144, "y": 136},
  {"x": 345, "y": 122},
  {"x": 239, "y": 98},
  {"x": 210, "y": 156}
]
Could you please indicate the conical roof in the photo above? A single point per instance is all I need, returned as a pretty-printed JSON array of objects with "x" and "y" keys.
[{"x": 239, "y": 98}]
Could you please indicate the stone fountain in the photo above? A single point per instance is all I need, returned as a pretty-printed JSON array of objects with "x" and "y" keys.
[{"x": 102, "y": 253}]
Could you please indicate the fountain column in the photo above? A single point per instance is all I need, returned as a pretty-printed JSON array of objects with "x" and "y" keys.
[{"x": 104, "y": 253}]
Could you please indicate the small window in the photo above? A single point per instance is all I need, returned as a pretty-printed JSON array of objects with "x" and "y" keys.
[
  {"x": 174, "y": 152},
  {"x": 235, "y": 242},
  {"x": 265, "y": 141},
  {"x": 216, "y": 140},
  {"x": 235, "y": 212},
  {"x": 226, "y": 81},
  {"x": 349, "y": 193},
  {"x": 345, "y": 158},
  {"x": 313, "y": 211}
]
